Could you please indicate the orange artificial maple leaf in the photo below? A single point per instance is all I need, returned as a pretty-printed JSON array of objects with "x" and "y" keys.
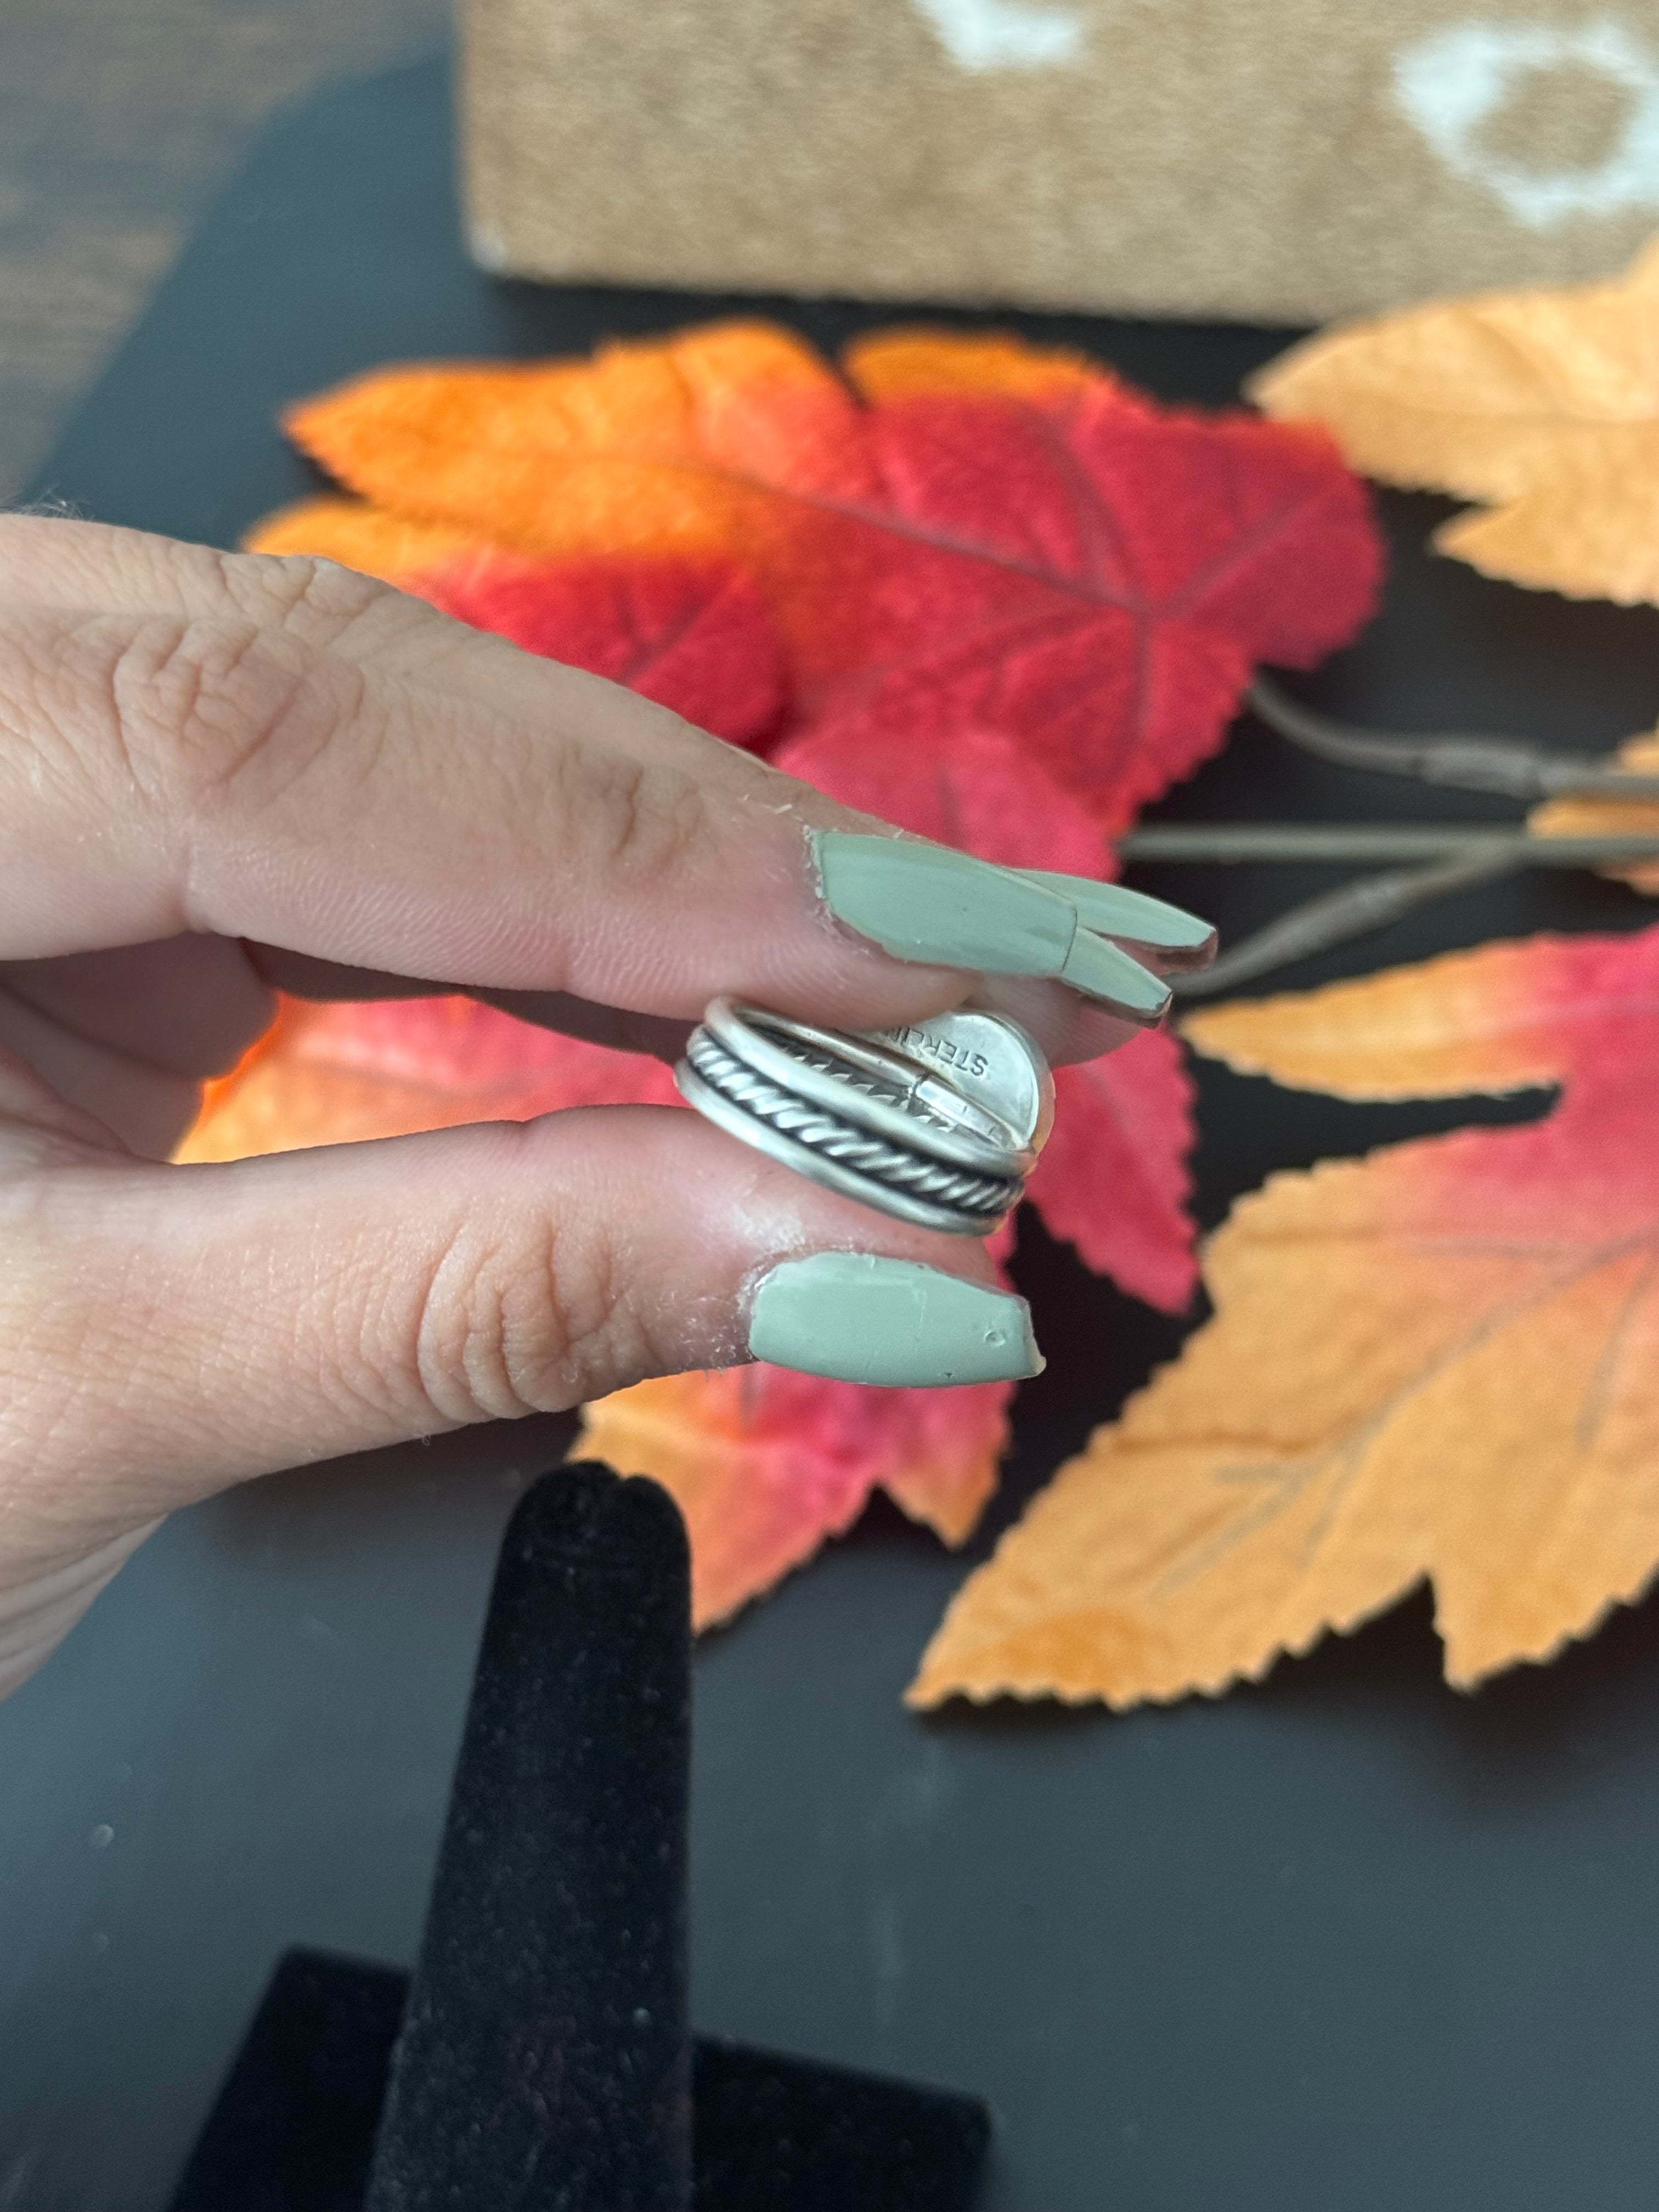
[
  {"x": 1440, "y": 1363},
  {"x": 331, "y": 1074},
  {"x": 1542, "y": 404}
]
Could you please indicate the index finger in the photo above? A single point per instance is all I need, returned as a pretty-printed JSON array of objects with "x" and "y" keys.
[{"x": 280, "y": 750}]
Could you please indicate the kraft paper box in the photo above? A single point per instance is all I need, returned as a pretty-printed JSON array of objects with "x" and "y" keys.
[{"x": 1277, "y": 159}]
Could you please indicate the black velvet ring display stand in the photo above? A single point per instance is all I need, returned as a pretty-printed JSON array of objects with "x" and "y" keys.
[
  {"x": 1341, "y": 1940},
  {"x": 540, "y": 2058}
]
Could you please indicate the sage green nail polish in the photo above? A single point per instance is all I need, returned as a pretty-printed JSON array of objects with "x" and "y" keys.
[
  {"x": 1103, "y": 970},
  {"x": 925, "y": 902},
  {"x": 1116, "y": 911},
  {"x": 859, "y": 1318}
]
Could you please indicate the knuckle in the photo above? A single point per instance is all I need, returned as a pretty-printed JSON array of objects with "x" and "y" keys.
[
  {"x": 204, "y": 710},
  {"x": 518, "y": 1318},
  {"x": 301, "y": 594},
  {"x": 638, "y": 821}
]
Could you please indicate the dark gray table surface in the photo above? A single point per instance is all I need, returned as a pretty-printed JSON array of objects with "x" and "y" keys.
[{"x": 1346, "y": 1942}]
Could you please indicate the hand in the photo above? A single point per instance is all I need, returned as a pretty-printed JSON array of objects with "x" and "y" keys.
[{"x": 222, "y": 775}]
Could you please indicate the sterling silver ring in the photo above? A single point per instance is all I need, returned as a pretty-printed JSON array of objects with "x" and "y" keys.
[{"x": 938, "y": 1124}]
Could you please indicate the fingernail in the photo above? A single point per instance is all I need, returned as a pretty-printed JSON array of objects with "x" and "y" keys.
[
  {"x": 859, "y": 1318},
  {"x": 925, "y": 902},
  {"x": 1106, "y": 971},
  {"x": 1116, "y": 911}
]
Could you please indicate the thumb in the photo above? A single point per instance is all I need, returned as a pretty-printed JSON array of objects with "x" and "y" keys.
[{"x": 172, "y": 1330}]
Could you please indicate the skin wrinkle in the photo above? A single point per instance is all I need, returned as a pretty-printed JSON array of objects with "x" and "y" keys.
[
  {"x": 304, "y": 596},
  {"x": 334, "y": 1342},
  {"x": 408, "y": 645},
  {"x": 543, "y": 1302},
  {"x": 523, "y": 1316},
  {"x": 588, "y": 1293},
  {"x": 232, "y": 710},
  {"x": 353, "y": 1329},
  {"x": 610, "y": 804},
  {"x": 94, "y": 649},
  {"x": 611, "y": 807},
  {"x": 497, "y": 1382}
]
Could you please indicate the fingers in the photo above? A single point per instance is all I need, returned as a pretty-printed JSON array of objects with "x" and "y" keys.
[
  {"x": 189, "y": 1007},
  {"x": 129, "y": 1035},
  {"x": 284, "y": 751},
  {"x": 163, "y": 1331},
  {"x": 99, "y": 1097}
]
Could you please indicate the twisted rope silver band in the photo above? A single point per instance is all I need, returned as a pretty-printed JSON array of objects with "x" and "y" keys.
[
  {"x": 855, "y": 1078},
  {"x": 985, "y": 1197}
]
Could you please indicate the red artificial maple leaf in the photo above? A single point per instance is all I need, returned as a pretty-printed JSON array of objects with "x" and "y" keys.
[
  {"x": 692, "y": 634},
  {"x": 954, "y": 532},
  {"x": 1091, "y": 574}
]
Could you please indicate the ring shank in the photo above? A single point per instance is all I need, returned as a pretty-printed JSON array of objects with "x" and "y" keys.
[{"x": 855, "y": 1116}]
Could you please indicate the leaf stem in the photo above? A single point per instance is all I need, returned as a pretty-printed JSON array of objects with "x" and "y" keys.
[
  {"x": 1340, "y": 841},
  {"x": 1320, "y": 923},
  {"x": 1454, "y": 759}
]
